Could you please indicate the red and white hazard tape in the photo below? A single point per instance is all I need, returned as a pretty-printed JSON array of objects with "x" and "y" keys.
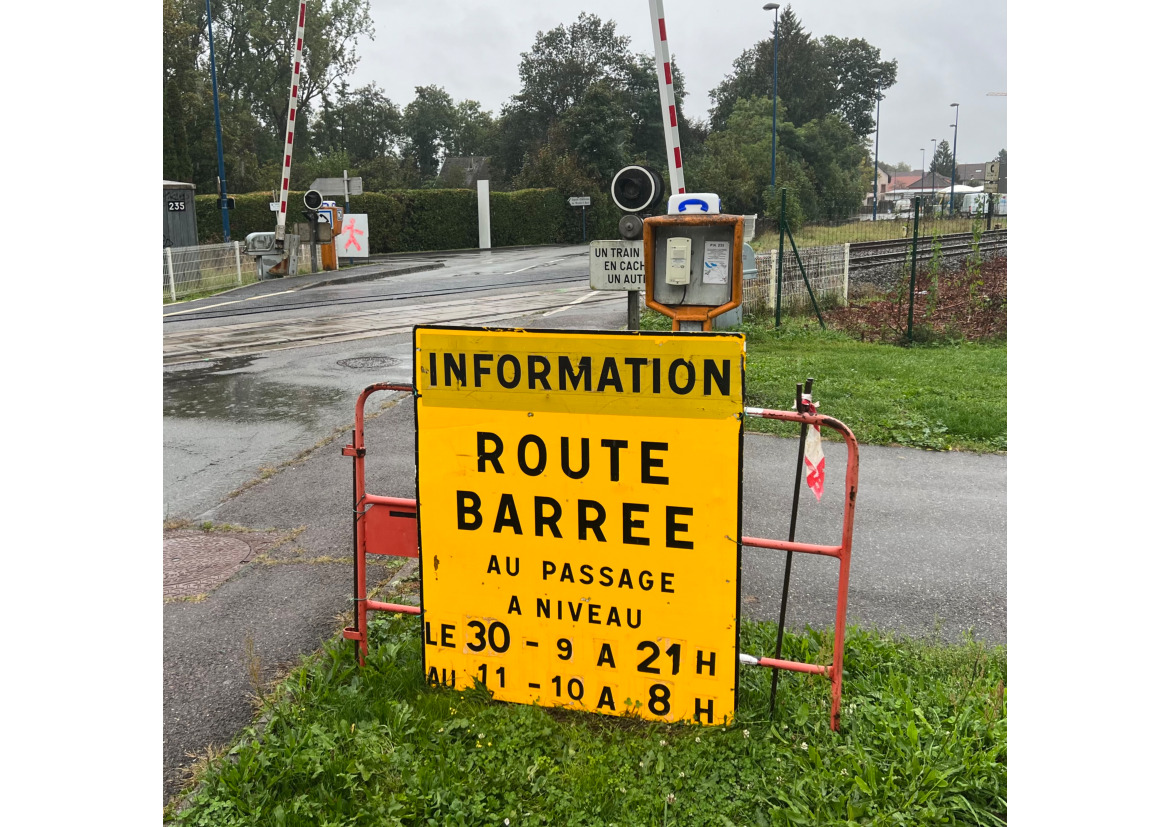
[
  {"x": 286, "y": 169},
  {"x": 666, "y": 93},
  {"x": 813, "y": 453}
]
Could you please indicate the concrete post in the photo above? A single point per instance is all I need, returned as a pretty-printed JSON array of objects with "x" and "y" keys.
[
  {"x": 170, "y": 275},
  {"x": 484, "y": 215},
  {"x": 846, "y": 246}
]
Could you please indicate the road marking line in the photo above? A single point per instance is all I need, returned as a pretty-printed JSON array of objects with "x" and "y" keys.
[
  {"x": 224, "y": 304},
  {"x": 586, "y": 297}
]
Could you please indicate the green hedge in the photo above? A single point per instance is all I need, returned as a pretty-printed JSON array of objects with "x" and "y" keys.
[{"x": 413, "y": 220}]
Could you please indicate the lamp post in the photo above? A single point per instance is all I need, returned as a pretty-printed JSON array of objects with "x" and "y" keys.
[
  {"x": 933, "y": 171},
  {"x": 774, "y": 88},
  {"x": 953, "y": 158},
  {"x": 876, "y": 139},
  {"x": 218, "y": 131}
]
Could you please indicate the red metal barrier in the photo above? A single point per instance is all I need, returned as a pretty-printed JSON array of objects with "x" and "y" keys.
[{"x": 389, "y": 525}]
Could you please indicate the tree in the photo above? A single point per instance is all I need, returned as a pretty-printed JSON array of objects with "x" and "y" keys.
[
  {"x": 565, "y": 62},
  {"x": 858, "y": 75},
  {"x": 475, "y": 132},
  {"x": 1002, "y": 157},
  {"x": 253, "y": 50},
  {"x": 429, "y": 122},
  {"x": 943, "y": 159},
  {"x": 364, "y": 124},
  {"x": 815, "y": 78},
  {"x": 597, "y": 131},
  {"x": 568, "y": 80},
  {"x": 894, "y": 169},
  {"x": 736, "y": 161},
  {"x": 256, "y": 54},
  {"x": 181, "y": 87},
  {"x": 821, "y": 163}
]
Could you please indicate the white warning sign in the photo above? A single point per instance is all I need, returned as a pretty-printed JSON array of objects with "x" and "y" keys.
[
  {"x": 716, "y": 262},
  {"x": 616, "y": 265}
]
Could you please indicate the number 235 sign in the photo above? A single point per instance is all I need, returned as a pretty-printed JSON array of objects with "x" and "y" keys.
[{"x": 578, "y": 514}]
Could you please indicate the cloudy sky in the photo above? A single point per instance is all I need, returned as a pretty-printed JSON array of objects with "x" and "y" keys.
[{"x": 945, "y": 51}]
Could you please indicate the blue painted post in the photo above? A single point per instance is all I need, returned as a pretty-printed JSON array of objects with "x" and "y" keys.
[{"x": 218, "y": 131}]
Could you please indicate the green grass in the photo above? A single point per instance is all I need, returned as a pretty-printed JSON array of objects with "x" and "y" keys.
[
  {"x": 922, "y": 742},
  {"x": 939, "y": 397},
  {"x": 856, "y": 231}
]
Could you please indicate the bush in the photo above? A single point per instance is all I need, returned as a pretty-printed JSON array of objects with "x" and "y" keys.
[{"x": 443, "y": 219}]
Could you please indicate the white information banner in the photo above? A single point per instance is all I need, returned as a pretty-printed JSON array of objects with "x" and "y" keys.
[
  {"x": 716, "y": 262},
  {"x": 353, "y": 242},
  {"x": 616, "y": 265}
]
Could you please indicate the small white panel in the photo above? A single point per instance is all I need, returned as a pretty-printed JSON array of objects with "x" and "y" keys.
[
  {"x": 716, "y": 262},
  {"x": 677, "y": 261}
]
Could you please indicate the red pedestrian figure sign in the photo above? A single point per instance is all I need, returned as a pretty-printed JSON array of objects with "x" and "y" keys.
[{"x": 353, "y": 242}]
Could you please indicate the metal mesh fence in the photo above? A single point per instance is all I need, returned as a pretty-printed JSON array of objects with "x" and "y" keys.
[
  {"x": 894, "y": 220},
  {"x": 208, "y": 267},
  {"x": 188, "y": 271},
  {"x": 827, "y": 271}
]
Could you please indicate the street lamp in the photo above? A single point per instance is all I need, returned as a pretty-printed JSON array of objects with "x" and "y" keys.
[
  {"x": 953, "y": 158},
  {"x": 774, "y": 87},
  {"x": 933, "y": 172}
]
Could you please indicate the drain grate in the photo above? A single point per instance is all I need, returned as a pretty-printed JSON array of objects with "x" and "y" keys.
[
  {"x": 196, "y": 564},
  {"x": 369, "y": 362}
]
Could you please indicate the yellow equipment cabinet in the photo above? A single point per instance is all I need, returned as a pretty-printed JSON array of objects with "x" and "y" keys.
[{"x": 329, "y": 248}]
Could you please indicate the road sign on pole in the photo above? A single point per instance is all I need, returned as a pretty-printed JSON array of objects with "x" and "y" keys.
[
  {"x": 579, "y": 515},
  {"x": 580, "y": 201},
  {"x": 616, "y": 265},
  {"x": 336, "y": 186}
]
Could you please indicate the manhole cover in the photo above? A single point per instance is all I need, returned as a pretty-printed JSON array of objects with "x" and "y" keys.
[
  {"x": 368, "y": 362},
  {"x": 197, "y": 564}
]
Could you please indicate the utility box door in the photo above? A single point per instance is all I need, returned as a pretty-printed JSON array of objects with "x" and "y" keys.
[
  {"x": 178, "y": 215},
  {"x": 711, "y": 265}
]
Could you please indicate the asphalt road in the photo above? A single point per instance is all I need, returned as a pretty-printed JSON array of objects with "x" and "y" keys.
[
  {"x": 265, "y": 372},
  {"x": 929, "y": 553}
]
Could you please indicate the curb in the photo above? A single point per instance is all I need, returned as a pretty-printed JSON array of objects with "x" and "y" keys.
[{"x": 380, "y": 274}]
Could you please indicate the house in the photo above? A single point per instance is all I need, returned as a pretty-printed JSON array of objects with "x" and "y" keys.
[
  {"x": 927, "y": 182},
  {"x": 882, "y": 188},
  {"x": 462, "y": 171}
]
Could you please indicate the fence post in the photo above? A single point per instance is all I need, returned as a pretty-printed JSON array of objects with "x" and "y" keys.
[
  {"x": 913, "y": 264},
  {"x": 846, "y": 246},
  {"x": 779, "y": 269},
  {"x": 170, "y": 274},
  {"x": 239, "y": 274},
  {"x": 774, "y": 264}
]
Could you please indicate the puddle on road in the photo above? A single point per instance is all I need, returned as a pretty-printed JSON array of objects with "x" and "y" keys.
[{"x": 220, "y": 390}]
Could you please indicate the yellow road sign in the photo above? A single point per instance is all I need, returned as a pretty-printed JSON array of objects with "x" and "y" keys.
[{"x": 579, "y": 501}]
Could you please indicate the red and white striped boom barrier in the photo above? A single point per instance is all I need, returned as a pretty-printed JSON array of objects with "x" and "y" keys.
[
  {"x": 286, "y": 169},
  {"x": 657, "y": 15}
]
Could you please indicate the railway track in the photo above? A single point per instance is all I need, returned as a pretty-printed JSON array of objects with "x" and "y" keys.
[
  {"x": 310, "y": 303},
  {"x": 866, "y": 254}
]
